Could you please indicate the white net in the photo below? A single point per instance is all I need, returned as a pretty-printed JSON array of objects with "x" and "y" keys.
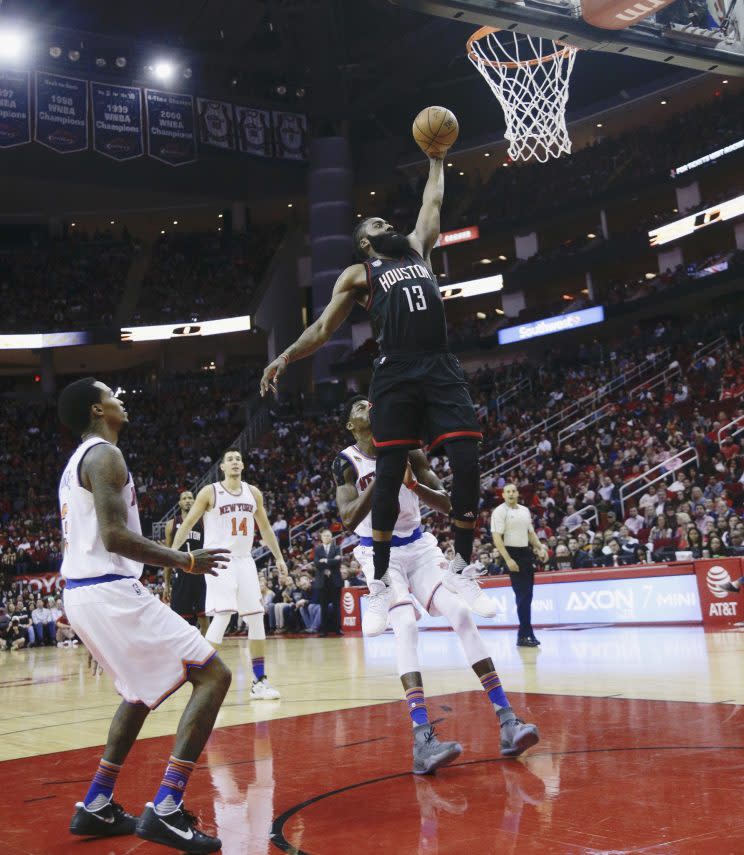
[{"x": 529, "y": 76}]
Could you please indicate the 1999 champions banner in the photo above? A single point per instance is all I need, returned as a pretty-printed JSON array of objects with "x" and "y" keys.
[
  {"x": 61, "y": 112},
  {"x": 15, "y": 113},
  {"x": 117, "y": 121},
  {"x": 170, "y": 127}
]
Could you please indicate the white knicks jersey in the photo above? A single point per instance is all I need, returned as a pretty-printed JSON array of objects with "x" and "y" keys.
[
  {"x": 409, "y": 517},
  {"x": 231, "y": 523},
  {"x": 85, "y": 556}
]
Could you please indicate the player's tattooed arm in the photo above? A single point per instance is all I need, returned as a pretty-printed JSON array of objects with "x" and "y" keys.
[
  {"x": 202, "y": 503},
  {"x": 428, "y": 487},
  {"x": 426, "y": 233},
  {"x": 353, "y": 507},
  {"x": 268, "y": 535},
  {"x": 170, "y": 528},
  {"x": 345, "y": 294},
  {"x": 104, "y": 473}
]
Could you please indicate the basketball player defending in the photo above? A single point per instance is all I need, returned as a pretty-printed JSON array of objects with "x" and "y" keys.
[
  {"x": 148, "y": 650},
  {"x": 185, "y": 591},
  {"x": 417, "y": 564},
  {"x": 230, "y": 509},
  {"x": 418, "y": 390}
]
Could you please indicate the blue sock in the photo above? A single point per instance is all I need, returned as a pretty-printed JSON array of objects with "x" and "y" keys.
[
  {"x": 258, "y": 668},
  {"x": 102, "y": 786},
  {"x": 492, "y": 686},
  {"x": 417, "y": 705},
  {"x": 170, "y": 792}
]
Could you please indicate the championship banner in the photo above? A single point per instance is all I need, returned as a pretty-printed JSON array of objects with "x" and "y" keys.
[
  {"x": 117, "y": 121},
  {"x": 216, "y": 123},
  {"x": 61, "y": 112},
  {"x": 254, "y": 128},
  {"x": 170, "y": 127},
  {"x": 15, "y": 108},
  {"x": 290, "y": 136}
]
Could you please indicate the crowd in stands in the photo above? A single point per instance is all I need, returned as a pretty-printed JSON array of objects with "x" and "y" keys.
[
  {"x": 28, "y": 619},
  {"x": 179, "y": 425},
  {"x": 202, "y": 276},
  {"x": 62, "y": 285}
]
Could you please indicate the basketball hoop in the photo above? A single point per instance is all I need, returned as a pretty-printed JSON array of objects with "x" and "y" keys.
[{"x": 529, "y": 76}]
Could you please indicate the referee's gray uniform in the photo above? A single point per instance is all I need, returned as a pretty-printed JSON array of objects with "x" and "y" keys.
[{"x": 514, "y": 525}]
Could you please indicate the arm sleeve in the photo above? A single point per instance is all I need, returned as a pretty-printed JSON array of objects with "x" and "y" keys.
[{"x": 339, "y": 467}]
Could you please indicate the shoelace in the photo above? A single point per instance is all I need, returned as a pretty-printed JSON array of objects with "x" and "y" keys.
[
  {"x": 430, "y": 735},
  {"x": 190, "y": 817},
  {"x": 118, "y": 810},
  {"x": 514, "y": 720}
]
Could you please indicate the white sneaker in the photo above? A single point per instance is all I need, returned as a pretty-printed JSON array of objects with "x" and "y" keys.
[
  {"x": 465, "y": 584},
  {"x": 261, "y": 690},
  {"x": 375, "y": 618}
]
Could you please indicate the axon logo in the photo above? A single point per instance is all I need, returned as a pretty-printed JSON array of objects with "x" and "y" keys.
[
  {"x": 583, "y": 601},
  {"x": 716, "y": 577},
  {"x": 347, "y": 601}
]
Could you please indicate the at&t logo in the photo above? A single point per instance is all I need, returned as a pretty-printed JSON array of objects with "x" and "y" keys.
[
  {"x": 347, "y": 601},
  {"x": 715, "y": 577}
]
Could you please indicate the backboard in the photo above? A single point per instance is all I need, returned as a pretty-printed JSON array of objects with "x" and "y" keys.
[{"x": 707, "y": 35}]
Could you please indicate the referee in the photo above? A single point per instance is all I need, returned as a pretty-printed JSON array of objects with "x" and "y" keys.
[{"x": 513, "y": 535}]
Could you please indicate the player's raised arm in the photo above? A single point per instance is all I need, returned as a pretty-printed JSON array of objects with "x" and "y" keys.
[
  {"x": 345, "y": 293},
  {"x": 427, "y": 228},
  {"x": 353, "y": 507},
  {"x": 202, "y": 504},
  {"x": 268, "y": 535},
  {"x": 106, "y": 473},
  {"x": 422, "y": 479}
]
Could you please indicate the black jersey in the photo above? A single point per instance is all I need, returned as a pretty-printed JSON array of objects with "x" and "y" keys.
[
  {"x": 405, "y": 306},
  {"x": 195, "y": 540}
]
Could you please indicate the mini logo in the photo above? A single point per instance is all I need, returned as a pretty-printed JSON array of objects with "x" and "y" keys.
[
  {"x": 716, "y": 577},
  {"x": 347, "y": 600},
  {"x": 186, "y": 835},
  {"x": 137, "y": 590},
  {"x": 377, "y": 262}
]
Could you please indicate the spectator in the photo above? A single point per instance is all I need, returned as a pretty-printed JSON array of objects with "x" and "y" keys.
[
  {"x": 578, "y": 559},
  {"x": 328, "y": 583},
  {"x": 44, "y": 626},
  {"x": 634, "y": 522}
]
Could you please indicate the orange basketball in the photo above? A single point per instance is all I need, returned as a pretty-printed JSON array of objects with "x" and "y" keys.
[{"x": 435, "y": 129}]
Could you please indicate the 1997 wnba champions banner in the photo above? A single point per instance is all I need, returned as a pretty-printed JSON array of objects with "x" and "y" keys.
[
  {"x": 170, "y": 127},
  {"x": 15, "y": 113},
  {"x": 61, "y": 112},
  {"x": 117, "y": 121}
]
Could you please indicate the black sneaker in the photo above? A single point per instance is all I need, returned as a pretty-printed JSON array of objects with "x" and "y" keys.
[
  {"x": 527, "y": 641},
  {"x": 109, "y": 821},
  {"x": 730, "y": 587},
  {"x": 177, "y": 829}
]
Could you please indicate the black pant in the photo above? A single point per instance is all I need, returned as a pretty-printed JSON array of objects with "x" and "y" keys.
[
  {"x": 329, "y": 597},
  {"x": 523, "y": 584}
]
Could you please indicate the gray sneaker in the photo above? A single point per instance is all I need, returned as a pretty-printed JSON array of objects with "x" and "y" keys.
[
  {"x": 429, "y": 753},
  {"x": 517, "y": 737}
]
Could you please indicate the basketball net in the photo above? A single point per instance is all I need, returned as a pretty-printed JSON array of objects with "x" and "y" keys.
[{"x": 529, "y": 76}]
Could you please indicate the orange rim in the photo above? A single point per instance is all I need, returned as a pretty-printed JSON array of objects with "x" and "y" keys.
[{"x": 565, "y": 50}]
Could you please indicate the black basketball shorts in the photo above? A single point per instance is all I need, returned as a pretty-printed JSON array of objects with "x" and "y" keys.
[
  {"x": 420, "y": 399},
  {"x": 188, "y": 594}
]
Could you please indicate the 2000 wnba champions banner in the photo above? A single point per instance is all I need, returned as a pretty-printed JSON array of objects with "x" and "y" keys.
[
  {"x": 254, "y": 131},
  {"x": 117, "y": 121},
  {"x": 15, "y": 112},
  {"x": 170, "y": 127},
  {"x": 61, "y": 112},
  {"x": 216, "y": 124}
]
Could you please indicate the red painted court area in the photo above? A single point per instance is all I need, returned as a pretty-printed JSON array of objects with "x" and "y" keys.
[{"x": 610, "y": 775}]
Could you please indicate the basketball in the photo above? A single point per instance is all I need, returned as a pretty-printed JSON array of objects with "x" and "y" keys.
[{"x": 435, "y": 130}]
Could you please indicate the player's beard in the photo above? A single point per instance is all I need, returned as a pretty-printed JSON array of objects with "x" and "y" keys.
[{"x": 393, "y": 244}]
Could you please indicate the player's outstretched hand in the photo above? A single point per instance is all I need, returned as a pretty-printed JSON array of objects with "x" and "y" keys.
[
  {"x": 271, "y": 374},
  {"x": 281, "y": 566},
  {"x": 205, "y": 560}
]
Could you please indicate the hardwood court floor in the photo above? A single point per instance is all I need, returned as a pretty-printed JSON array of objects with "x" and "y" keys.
[{"x": 642, "y": 749}]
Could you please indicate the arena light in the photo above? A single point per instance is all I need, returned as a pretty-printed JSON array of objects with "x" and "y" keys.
[
  {"x": 163, "y": 70},
  {"x": 472, "y": 288},
  {"x": 458, "y": 236},
  {"x": 38, "y": 341},
  {"x": 694, "y": 222},
  {"x": 187, "y": 329},
  {"x": 13, "y": 43},
  {"x": 549, "y": 326}
]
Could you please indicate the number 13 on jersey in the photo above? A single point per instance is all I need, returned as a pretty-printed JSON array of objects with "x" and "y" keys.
[{"x": 415, "y": 297}]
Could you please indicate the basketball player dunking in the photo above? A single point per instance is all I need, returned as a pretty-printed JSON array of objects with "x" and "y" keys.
[
  {"x": 146, "y": 648},
  {"x": 418, "y": 390},
  {"x": 185, "y": 591},
  {"x": 417, "y": 564},
  {"x": 231, "y": 509}
]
